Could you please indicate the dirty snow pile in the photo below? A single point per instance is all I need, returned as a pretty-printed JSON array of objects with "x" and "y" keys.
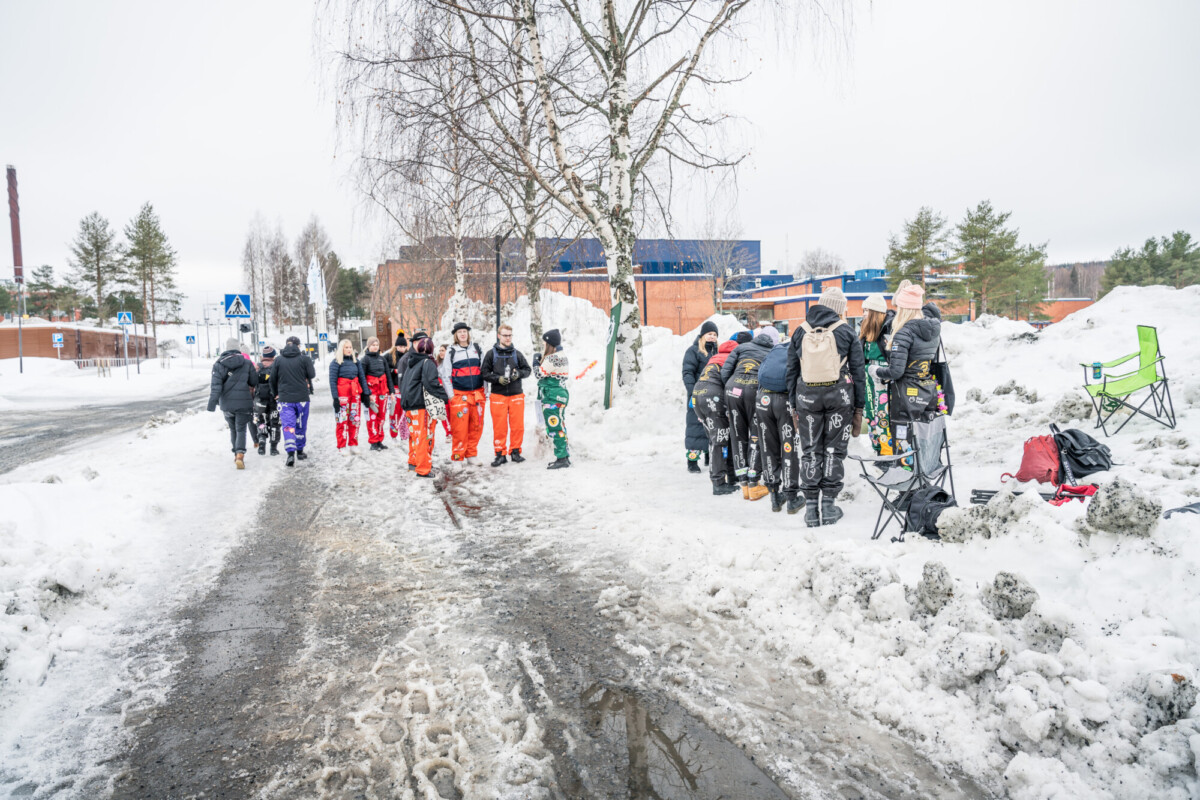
[
  {"x": 49, "y": 383},
  {"x": 1046, "y": 651}
]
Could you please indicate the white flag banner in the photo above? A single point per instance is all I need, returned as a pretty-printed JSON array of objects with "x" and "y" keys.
[{"x": 316, "y": 283}]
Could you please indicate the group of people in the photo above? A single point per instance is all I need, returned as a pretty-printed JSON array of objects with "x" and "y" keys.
[
  {"x": 776, "y": 418},
  {"x": 406, "y": 389}
]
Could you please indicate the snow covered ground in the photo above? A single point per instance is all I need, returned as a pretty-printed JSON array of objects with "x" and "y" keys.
[
  {"x": 48, "y": 383},
  {"x": 1082, "y": 687}
]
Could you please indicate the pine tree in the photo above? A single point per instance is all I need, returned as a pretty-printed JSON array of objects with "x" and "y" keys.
[
  {"x": 925, "y": 240},
  {"x": 998, "y": 269},
  {"x": 97, "y": 259},
  {"x": 1168, "y": 261},
  {"x": 41, "y": 295},
  {"x": 150, "y": 261}
]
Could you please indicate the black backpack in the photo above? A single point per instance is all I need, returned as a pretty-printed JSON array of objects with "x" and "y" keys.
[
  {"x": 1079, "y": 455},
  {"x": 924, "y": 508}
]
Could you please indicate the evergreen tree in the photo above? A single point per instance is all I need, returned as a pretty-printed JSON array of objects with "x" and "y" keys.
[
  {"x": 999, "y": 270},
  {"x": 150, "y": 261},
  {"x": 97, "y": 260},
  {"x": 925, "y": 239},
  {"x": 8, "y": 298},
  {"x": 1168, "y": 261},
  {"x": 41, "y": 295},
  {"x": 1076, "y": 288},
  {"x": 353, "y": 290}
]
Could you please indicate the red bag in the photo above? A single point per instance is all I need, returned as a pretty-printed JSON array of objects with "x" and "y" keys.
[{"x": 1039, "y": 463}]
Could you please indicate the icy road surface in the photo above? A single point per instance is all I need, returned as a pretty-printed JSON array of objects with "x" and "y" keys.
[{"x": 414, "y": 639}]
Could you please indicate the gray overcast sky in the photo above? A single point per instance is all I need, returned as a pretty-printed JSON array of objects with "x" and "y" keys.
[{"x": 1079, "y": 117}]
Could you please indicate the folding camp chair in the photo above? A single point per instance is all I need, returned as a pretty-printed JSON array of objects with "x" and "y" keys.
[
  {"x": 1113, "y": 392},
  {"x": 925, "y": 464}
]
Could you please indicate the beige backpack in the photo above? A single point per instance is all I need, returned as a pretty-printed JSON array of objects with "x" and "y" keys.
[{"x": 819, "y": 359}]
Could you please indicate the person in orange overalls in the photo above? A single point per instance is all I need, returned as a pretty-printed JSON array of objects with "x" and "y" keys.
[
  {"x": 503, "y": 367},
  {"x": 460, "y": 373},
  {"x": 420, "y": 382}
]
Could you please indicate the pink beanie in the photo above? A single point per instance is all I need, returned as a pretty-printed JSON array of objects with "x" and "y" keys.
[{"x": 908, "y": 297}]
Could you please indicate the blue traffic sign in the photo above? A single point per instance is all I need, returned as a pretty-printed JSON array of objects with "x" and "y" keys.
[
  {"x": 237, "y": 306},
  {"x": 323, "y": 337},
  {"x": 124, "y": 317},
  {"x": 56, "y": 338},
  {"x": 191, "y": 339}
]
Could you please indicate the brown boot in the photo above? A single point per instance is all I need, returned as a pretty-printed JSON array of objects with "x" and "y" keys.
[
  {"x": 745, "y": 491},
  {"x": 757, "y": 492},
  {"x": 238, "y": 461}
]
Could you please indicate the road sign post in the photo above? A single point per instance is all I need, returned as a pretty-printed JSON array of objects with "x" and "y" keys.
[
  {"x": 237, "y": 306},
  {"x": 57, "y": 340},
  {"x": 125, "y": 319}
]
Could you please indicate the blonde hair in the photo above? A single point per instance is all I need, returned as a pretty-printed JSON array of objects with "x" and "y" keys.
[
  {"x": 504, "y": 327},
  {"x": 903, "y": 316},
  {"x": 341, "y": 348},
  {"x": 374, "y": 339}
]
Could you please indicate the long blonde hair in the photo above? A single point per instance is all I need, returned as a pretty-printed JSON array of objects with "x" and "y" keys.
[
  {"x": 341, "y": 350},
  {"x": 903, "y": 316}
]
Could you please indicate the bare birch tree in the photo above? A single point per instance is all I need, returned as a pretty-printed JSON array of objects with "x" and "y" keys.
[
  {"x": 254, "y": 267},
  {"x": 312, "y": 241}
]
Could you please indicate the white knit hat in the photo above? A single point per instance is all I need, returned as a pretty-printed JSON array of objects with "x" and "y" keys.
[
  {"x": 875, "y": 302},
  {"x": 832, "y": 298}
]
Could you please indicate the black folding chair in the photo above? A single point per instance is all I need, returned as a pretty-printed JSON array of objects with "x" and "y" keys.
[{"x": 925, "y": 463}]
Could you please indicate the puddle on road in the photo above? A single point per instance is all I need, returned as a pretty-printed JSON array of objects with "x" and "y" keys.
[{"x": 672, "y": 755}]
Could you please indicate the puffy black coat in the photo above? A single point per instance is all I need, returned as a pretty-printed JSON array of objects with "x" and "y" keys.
[
  {"x": 351, "y": 370},
  {"x": 396, "y": 363},
  {"x": 233, "y": 379},
  {"x": 493, "y": 365},
  {"x": 848, "y": 347},
  {"x": 746, "y": 358},
  {"x": 376, "y": 365},
  {"x": 262, "y": 392},
  {"x": 420, "y": 376},
  {"x": 916, "y": 342},
  {"x": 694, "y": 359},
  {"x": 772, "y": 374},
  {"x": 292, "y": 377}
]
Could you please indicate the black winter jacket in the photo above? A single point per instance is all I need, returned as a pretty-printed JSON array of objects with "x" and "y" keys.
[
  {"x": 262, "y": 392},
  {"x": 376, "y": 365},
  {"x": 352, "y": 370},
  {"x": 743, "y": 363},
  {"x": 848, "y": 347},
  {"x": 420, "y": 376},
  {"x": 233, "y": 379},
  {"x": 493, "y": 365},
  {"x": 694, "y": 360},
  {"x": 916, "y": 342},
  {"x": 396, "y": 363},
  {"x": 291, "y": 380},
  {"x": 772, "y": 373}
]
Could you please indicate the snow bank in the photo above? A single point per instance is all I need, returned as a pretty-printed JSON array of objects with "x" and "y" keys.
[
  {"x": 1021, "y": 651},
  {"x": 49, "y": 383}
]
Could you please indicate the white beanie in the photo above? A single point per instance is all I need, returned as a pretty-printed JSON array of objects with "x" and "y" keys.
[
  {"x": 832, "y": 298},
  {"x": 875, "y": 302}
]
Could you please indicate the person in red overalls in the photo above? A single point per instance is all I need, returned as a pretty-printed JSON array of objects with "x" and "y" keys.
[
  {"x": 349, "y": 386},
  {"x": 460, "y": 373},
  {"x": 397, "y": 422},
  {"x": 382, "y": 384}
]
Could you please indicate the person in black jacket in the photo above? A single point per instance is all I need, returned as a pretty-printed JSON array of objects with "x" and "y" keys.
[
  {"x": 827, "y": 409},
  {"x": 381, "y": 383},
  {"x": 291, "y": 386},
  {"x": 503, "y": 367},
  {"x": 780, "y": 448},
  {"x": 916, "y": 335},
  {"x": 348, "y": 384},
  {"x": 232, "y": 385},
  {"x": 740, "y": 374},
  {"x": 708, "y": 398},
  {"x": 421, "y": 379},
  {"x": 397, "y": 424},
  {"x": 266, "y": 410},
  {"x": 695, "y": 439}
]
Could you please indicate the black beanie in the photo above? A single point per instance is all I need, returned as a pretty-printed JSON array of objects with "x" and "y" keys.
[
  {"x": 708, "y": 327},
  {"x": 553, "y": 338},
  {"x": 400, "y": 340},
  {"x": 741, "y": 337}
]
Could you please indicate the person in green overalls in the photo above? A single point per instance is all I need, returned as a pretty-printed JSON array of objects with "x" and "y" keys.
[
  {"x": 553, "y": 373},
  {"x": 876, "y": 323}
]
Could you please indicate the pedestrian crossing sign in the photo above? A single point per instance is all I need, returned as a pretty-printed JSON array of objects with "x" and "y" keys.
[
  {"x": 191, "y": 339},
  {"x": 237, "y": 306},
  {"x": 324, "y": 337},
  {"x": 124, "y": 317}
]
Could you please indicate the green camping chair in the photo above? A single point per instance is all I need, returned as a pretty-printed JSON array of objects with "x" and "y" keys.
[{"x": 1113, "y": 392}]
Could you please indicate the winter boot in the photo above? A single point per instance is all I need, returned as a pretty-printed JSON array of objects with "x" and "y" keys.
[
  {"x": 516, "y": 456},
  {"x": 776, "y": 499},
  {"x": 291, "y": 462},
  {"x": 500, "y": 460},
  {"x": 812, "y": 513},
  {"x": 830, "y": 513},
  {"x": 239, "y": 460},
  {"x": 561, "y": 463},
  {"x": 262, "y": 447},
  {"x": 795, "y": 503},
  {"x": 274, "y": 449},
  {"x": 721, "y": 487},
  {"x": 694, "y": 466},
  {"x": 382, "y": 446},
  {"x": 300, "y": 454},
  {"x": 756, "y": 492}
]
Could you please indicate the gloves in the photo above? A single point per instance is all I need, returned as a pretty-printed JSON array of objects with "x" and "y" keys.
[
  {"x": 856, "y": 422},
  {"x": 873, "y": 371},
  {"x": 337, "y": 406},
  {"x": 537, "y": 359},
  {"x": 503, "y": 381}
]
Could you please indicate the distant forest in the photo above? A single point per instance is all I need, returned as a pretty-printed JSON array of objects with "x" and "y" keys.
[{"x": 1076, "y": 280}]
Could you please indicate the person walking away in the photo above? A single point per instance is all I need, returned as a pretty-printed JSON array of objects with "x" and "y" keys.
[
  {"x": 695, "y": 439},
  {"x": 232, "y": 386},
  {"x": 740, "y": 374},
  {"x": 708, "y": 399},
  {"x": 777, "y": 428},
  {"x": 380, "y": 383},
  {"x": 460, "y": 372},
  {"x": 266, "y": 410},
  {"x": 291, "y": 386},
  {"x": 553, "y": 373},
  {"x": 397, "y": 422},
  {"x": 876, "y": 326},
  {"x": 916, "y": 335},
  {"x": 348, "y": 384},
  {"x": 826, "y": 380},
  {"x": 504, "y": 367},
  {"x": 421, "y": 380}
]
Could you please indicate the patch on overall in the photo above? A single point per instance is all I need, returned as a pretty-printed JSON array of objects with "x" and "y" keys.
[{"x": 552, "y": 421}]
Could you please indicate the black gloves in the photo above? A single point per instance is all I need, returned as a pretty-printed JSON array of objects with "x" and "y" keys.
[
  {"x": 337, "y": 406},
  {"x": 856, "y": 422}
]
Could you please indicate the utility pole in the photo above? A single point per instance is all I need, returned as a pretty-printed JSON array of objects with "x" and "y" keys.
[{"x": 14, "y": 215}]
